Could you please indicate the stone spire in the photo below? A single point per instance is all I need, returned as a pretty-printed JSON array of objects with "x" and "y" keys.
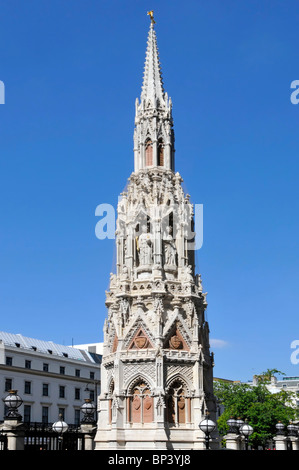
[
  {"x": 152, "y": 89},
  {"x": 153, "y": 134}
]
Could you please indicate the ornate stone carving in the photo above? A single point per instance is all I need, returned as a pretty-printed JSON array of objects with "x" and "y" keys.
[
  {"x": 172, "y": 371},
  {"x": 160, "y": 404},
  {"x": 158, "y": 305},
  {"x": 125, "y": 310},
  {"x": 138, "y": 370},
  {"x": 169, "y": 248},
  {"x": 145, "y": 248},
  {"x": 139, "y": 326},
  {"x": 175, "y": 342},
  {"x": 156, "y": 339}
]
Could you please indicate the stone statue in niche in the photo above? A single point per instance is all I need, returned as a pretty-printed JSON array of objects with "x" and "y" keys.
[
  {"x": 169, "y": 248},
  {"x": 125, "y": 273},
  {"x": 112, "y": 280},
  {"x": 125, "y": 310},
  {"x": 188, "y": 276},
  {"x": 145, "y": 247}
]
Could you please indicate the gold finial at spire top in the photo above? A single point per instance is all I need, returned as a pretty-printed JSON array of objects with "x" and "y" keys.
[{"x": 151, "y": 15}]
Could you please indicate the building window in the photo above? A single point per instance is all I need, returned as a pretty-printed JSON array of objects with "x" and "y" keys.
[
  {"x": 77, "y": 372},
  {"x": 8, "y": 385},
  {"x": 27, "y": 413},
  {"x": 45, "y": 367},
  {"x": 45, "y": 390},
  {"x": 91, "y": 375},
  {"x": 27, "y": 387},
  {"x": 77, "y": 417},
  {"x": 148, "y": 153},
  {"x": 27, "y": 364},
  {"x": 61, "y": 413},
  {"x": 9, "y": 361},
  {"x": 77, "y": 393},
  {"x": 62, "y": 370},
  {"x": 45, "y": 414},
  {"x": 61, "y": 391}
]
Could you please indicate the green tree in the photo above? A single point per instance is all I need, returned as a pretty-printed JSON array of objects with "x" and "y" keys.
[{"x": 257, "y": 405}]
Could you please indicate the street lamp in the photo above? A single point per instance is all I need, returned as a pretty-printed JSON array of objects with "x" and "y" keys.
[
  {"x": 207, "y": 426},
  {"x": 279, "y": 429},
  {"x": 232, "y": 424},
  {"x": 60, "y": 427},
  {"x": 13, "y": 402},
  {"x": 292, "y": 429},
  {"x": 246, "y": 430},
  {"x": 239, "y": 423},
  {"x": 88, "y": 409},
  {"x": 94, "y": 391}
]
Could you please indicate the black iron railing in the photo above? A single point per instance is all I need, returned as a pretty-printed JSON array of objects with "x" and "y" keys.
[{"x": 40, "y": 436}]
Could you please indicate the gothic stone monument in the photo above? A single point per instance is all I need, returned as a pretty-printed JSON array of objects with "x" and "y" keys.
[{"x": 157, "y": 369}]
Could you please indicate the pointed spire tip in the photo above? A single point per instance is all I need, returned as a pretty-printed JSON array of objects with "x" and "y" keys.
[{"x": 151, "y": 15}]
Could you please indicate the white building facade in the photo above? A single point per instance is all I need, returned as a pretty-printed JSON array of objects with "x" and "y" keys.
[
  {"x": 51, "y": 379},
  {"x": 287, "y": 383}
]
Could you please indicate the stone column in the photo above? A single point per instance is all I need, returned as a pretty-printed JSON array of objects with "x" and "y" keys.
[
  {"x": 167, "y": 156},
  {"x": 233, "y": 441},
  {"x": 142, "y": 156},
  {"x": 14, "y": 429},
  {"x": 89, "y": 431},
  {"x": 295, "y": 442},
  {"x": 280, "y": 442}
]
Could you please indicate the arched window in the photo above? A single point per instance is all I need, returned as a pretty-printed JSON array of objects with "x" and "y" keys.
[
  {"x": 148, "y": 153},
  {"x": 160, "y": 153},
  {"x": 178, "y": 404},
  {"x": 140, "y": 404}
]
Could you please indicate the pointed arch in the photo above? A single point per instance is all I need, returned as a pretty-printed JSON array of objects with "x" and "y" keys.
[
  {"x": 140, "y": 340},
  {"x": 149, "y": 104},
  {"x": 176, "y": 337},
  {"x": 178, "y": 402},
  {"x": 132, "y": 329},
  {"x": 168, "y": 218},
  {"x": 148, "y": 152},
  {"x": 178, "y": 377},
  {"x": 135, "y": 380},
  {"x": 140, "y": 404}
]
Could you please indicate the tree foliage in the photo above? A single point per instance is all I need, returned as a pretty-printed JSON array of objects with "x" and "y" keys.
[{"x": 257, "y": 405}]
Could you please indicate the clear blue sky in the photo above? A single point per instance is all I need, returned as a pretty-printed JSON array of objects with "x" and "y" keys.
[{"x": 72, "y": 71}]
